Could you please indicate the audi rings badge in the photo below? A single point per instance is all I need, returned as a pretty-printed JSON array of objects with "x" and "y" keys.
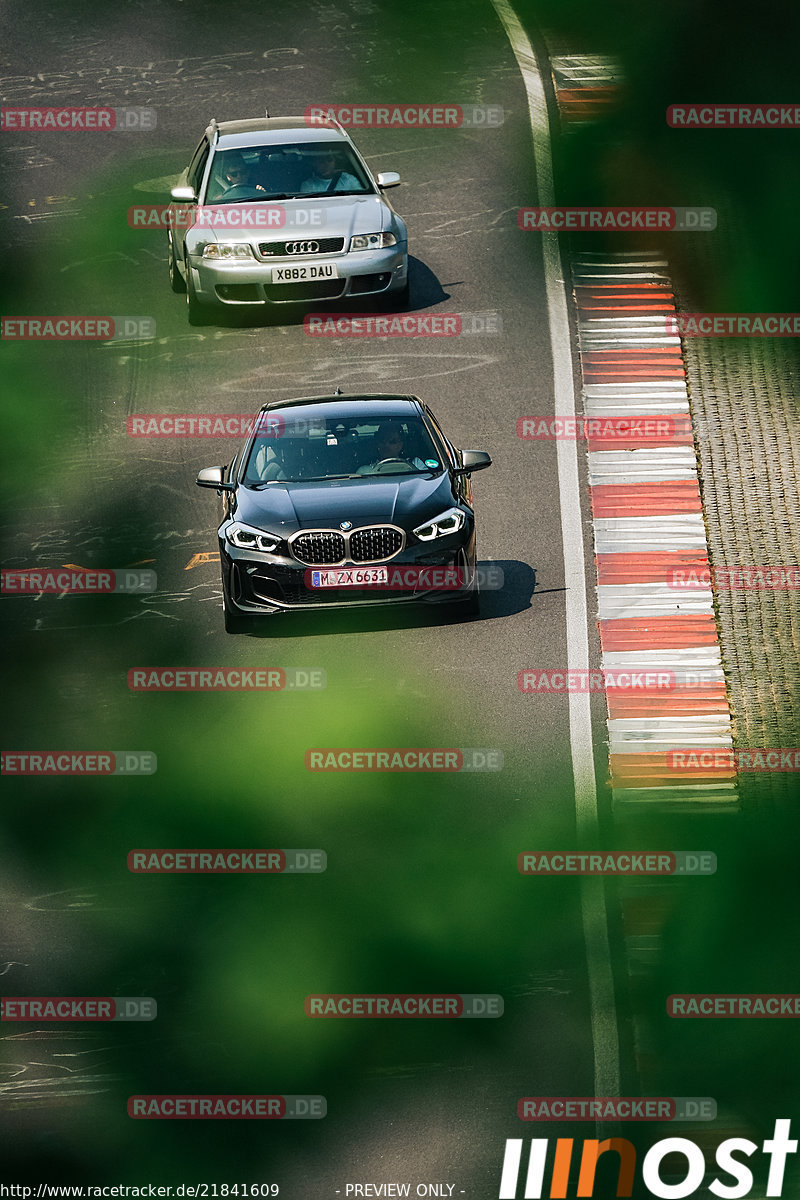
[{"x": 302, "y": 247}]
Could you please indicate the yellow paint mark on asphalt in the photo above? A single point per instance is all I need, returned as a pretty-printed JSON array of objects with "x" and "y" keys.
[
  {"x": 76, "y": 567},
  {"x": 197, "y": 560}
]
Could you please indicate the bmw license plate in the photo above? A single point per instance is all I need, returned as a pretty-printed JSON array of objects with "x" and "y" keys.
[
  {"x": 350, "y": 577},
  {"x": 305, "y": 273}
]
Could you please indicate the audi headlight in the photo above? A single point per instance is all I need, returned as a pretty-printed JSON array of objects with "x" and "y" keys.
[
  {"x": 372, "y": 241},
  {"x": 447, "y": 522},
  {"x": 247, "y": 538},
  {"x": 227, "y": 251}
]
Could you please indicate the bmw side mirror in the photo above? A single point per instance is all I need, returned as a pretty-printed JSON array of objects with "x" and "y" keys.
[
  {"x": 473, "y": 460},
  {"x": 186, "y": 194},
  {"x": 212, "y": 477},
  {"x": 387, "y": 179}
]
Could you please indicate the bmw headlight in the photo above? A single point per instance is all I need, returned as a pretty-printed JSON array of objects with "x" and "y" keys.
[
  {"x": 246, "y": 538},
  {"x": 227, "y": 251},
  {"x": 447, "y": 522},
  {"x": 372, "y": 241}
]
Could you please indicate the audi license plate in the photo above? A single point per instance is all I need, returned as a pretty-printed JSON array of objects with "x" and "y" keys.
[
  {"x": 351, "y": 577},
  {"x": 308, "y": 271}
]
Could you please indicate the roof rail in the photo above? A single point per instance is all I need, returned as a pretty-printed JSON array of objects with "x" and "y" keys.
[{"x": 327, "y": 119}]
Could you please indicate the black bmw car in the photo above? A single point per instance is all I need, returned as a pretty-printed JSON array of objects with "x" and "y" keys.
[{"x": 341, "y": 500}]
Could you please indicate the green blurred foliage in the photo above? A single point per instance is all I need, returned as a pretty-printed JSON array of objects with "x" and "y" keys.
[{"x": 421, "y": 891}]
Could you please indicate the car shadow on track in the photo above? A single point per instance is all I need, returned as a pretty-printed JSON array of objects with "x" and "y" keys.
[{"x": 514, "y": 595}]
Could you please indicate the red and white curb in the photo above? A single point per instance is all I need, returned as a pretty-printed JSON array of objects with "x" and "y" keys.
[
  {"x": 586, "y": 85},
  {"x": 648, "y": 520}
]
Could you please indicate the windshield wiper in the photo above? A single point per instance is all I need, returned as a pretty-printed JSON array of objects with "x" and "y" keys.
[
  {"x": 336, "y": 193},
  {"x": 253, "y": 199},
  {"x": 322, "y": 478}
]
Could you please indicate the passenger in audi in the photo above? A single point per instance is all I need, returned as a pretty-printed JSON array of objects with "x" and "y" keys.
[{"x": 327, "y": 176}]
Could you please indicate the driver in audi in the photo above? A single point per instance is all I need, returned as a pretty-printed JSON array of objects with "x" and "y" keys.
[
  {"x": 238, "y": 173},
  {"x": 389, "y": 443}
]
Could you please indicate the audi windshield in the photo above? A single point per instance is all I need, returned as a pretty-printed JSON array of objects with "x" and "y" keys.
[{"x": 276, "y": 171}]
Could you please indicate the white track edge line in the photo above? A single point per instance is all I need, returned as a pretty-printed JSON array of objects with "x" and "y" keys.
[{"x": 605, "y": 1036}]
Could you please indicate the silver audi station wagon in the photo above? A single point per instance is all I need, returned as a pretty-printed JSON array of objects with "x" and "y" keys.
[{"x": 283, "y": 210}]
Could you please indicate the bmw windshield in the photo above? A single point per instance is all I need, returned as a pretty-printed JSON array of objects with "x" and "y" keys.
[{"x": 305, "y": 446}]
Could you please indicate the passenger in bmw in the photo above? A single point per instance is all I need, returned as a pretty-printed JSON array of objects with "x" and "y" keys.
[
  {"x": 278, "y": 461},
  {"x": 389, "y": 443}
]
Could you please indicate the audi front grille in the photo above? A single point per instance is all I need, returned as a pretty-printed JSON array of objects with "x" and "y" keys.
[{"x": 297, "y": 247}]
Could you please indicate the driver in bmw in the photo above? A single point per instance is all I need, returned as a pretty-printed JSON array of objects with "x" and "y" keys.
[{"x": 389, "y": 443}]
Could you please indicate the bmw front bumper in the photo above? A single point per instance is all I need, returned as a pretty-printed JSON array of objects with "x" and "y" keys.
[{"x": 260, "y": 584}]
